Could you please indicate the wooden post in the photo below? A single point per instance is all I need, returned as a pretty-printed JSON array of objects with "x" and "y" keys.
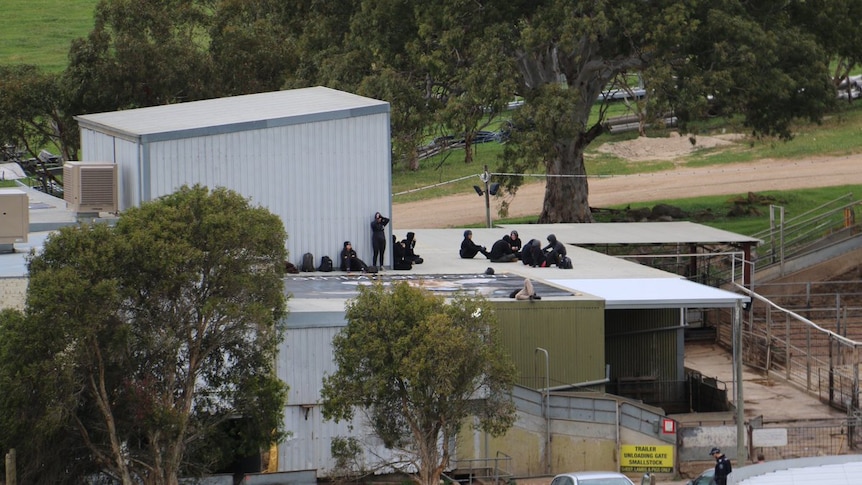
[{"x": 11, "y": 471}]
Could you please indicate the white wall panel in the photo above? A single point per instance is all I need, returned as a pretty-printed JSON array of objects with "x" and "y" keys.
[
  {"x": 102, "y": 147},
  {"x": 304, "y": 358},
  {"x": 325, "y": 179}
]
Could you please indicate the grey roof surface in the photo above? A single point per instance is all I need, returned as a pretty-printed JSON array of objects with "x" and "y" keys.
[
  {"x": 596, "y": 276},
  {"x": 252, "y": 111},
  {"x": 634, "y": 233}
]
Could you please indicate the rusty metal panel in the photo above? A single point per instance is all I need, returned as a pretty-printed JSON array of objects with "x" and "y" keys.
[{"x": 572, "y": 333}]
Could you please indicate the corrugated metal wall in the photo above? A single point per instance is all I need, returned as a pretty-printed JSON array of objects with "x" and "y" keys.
[
  {"x": 645, "y": 343},
  {"x": 102, "y": 147},
  {"x": 324, "y": 179},
  {"x": 304, "y": 358},
  {"x": 571, "y": 331}
]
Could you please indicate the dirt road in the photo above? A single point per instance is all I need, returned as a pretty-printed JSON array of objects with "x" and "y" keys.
[{"x": 737, "y": 178}]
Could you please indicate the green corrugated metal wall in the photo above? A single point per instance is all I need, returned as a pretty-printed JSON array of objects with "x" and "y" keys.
[
  {"x": 644, "y": 343},
  {"x": 571, "y": 331}
]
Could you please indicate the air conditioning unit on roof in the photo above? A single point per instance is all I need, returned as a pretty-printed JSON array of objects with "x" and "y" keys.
[
  {"x": 14, "y": 216},
  {"x": 90, "y": 186}
]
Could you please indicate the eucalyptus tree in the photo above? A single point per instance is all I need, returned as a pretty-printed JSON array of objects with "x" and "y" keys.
[
  {"x": 32, "y": 114},
  {"x": 143, "y": 345},
  {"x": 415, "y": 368},
  {"x": 755, "y": 58}
]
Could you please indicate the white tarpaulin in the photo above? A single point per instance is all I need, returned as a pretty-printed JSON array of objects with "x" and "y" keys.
[{"x": 11, "y": 171}]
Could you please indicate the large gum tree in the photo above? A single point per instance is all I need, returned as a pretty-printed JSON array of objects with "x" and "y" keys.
[{"x": 146, "y": 350}]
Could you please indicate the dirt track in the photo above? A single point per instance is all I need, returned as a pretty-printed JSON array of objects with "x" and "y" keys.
[{"x": 738, "y": 178}]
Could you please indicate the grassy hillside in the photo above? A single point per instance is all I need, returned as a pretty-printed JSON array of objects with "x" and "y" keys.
[{"x": 40, "y": 31}]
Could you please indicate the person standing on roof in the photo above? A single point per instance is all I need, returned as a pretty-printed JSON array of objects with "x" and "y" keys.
[
  {"x": 722, "y": 467},
  {"x": 378, "y": 238}
]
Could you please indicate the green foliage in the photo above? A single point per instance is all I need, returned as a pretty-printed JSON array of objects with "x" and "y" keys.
[
  {"x": 31, "y": 111},
  {"x": 39, "y": 32},
  {"x": 140, "y": 341},
  {"x": 415, "y": 365}
]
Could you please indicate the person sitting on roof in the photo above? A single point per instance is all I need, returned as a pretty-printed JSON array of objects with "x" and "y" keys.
[
  {"x": 349, "y": 260},
  {"x": 532, "y": 254},
  {"x": 501, "y": 252},
  {"x": 514, "y": 241},
  {"x": 409, "y": 244},
  {"x": 555, "y": 251},
  {"x": 469, "y": 248}
]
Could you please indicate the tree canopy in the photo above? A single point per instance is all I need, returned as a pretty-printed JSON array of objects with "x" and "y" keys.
[
  {"x": 451, "y": 66},
  {"x": 144, "y": 347},
  {"x": 416, "y": 367}
]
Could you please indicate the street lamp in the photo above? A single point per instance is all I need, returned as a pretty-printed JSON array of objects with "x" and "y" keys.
[{"x": 490, "y": 189}]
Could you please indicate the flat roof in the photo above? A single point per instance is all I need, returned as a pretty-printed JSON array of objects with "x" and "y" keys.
[
  {"x": 678, "y": 232},
  {"x": 630, "y": 293},
  {"x": 617, "y": 282},
  {"x": 231, "y": 114}
]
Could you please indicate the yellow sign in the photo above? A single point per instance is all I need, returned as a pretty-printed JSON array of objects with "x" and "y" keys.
[{"x": 646, "y": 458}]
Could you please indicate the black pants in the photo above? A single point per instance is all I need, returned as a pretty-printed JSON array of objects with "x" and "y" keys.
[{"x": 378, "y": 244}]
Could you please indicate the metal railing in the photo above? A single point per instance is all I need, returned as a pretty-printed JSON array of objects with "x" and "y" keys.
[
  {"x": 496, "y": 470},
  {"x": 786, "y": 238}
]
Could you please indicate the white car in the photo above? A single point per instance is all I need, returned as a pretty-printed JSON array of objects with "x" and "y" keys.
[
  {"x": 591, "y": 478},
  {"x": 704, "y": 478}
]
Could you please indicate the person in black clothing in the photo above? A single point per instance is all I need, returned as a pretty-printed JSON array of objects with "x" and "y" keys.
[
  {"x": 409, "y": 245},
  {"x": 378, "y": 239},
  {"x": 554, "y": 251},
  {"x": 399, "y": 251},
  {"x": 722, "y": 467},
  {"x": 349, "y": 261},
  {"x": 501, "y": 252},
  {"x": 469, "y": 248},
  {"x": 514, "y": 241},
  {"x": 531, "y": 253}
]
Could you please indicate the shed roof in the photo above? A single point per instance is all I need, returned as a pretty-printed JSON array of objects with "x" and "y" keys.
[
  {"x": 620, "y": 283},
  {"x": 677, "y": 232},
  {"x": 231, "y": 114}
]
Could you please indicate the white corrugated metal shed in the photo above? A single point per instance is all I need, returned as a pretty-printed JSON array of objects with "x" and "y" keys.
[{"x": 317, "y": 157}]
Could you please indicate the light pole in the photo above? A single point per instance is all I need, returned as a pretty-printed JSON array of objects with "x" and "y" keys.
[
  {"x": 546, "y": 406},
  {"x": 486, "y": 178}
]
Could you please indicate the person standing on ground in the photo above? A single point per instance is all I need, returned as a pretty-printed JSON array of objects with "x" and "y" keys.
[
  {"x": 722, "y": 467},
  {"x": 469, "y": 248},
  {"x": 378, "y": 238}
]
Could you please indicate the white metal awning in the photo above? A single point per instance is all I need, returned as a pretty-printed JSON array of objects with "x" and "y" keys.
[{"x": 626, "y": 293}]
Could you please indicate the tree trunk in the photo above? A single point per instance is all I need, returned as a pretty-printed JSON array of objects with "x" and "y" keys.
[{"x": 566, "y": 198}]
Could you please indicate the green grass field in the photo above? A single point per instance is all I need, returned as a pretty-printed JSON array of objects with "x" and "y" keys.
[{"x": 40, "y": 32}]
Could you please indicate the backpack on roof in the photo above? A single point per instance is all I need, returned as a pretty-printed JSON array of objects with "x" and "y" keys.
[
  {"x": 307, "y": 265},
  {"x": 565, "y": 263},
  {"x": 325, "y": 264}
]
